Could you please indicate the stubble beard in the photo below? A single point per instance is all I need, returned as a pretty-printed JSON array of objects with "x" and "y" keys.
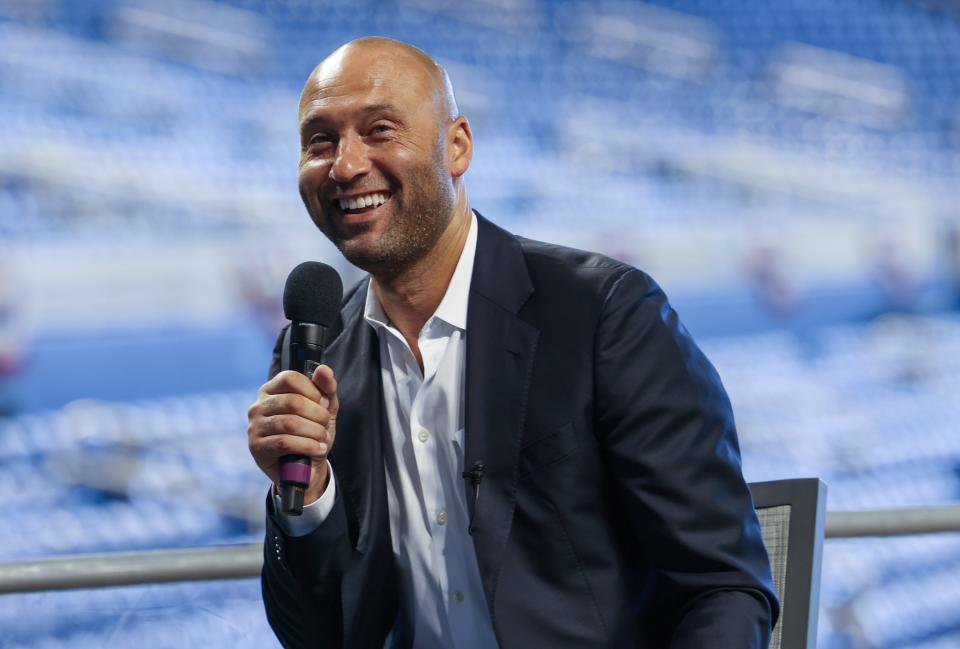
[{"x": 415, "y": 225}]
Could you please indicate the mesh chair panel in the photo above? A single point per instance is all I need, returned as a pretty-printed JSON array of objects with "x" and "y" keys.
[{"x": 775, "y": 527}]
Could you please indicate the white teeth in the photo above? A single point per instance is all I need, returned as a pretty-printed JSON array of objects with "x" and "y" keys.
[{"x": 363, "y": 201}]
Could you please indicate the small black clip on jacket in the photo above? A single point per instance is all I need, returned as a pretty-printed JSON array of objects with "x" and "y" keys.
[{"x": 476, "y": 475}]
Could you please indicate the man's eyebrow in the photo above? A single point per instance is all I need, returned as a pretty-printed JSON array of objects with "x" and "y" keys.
[
  {"x": 312, "y": 122},
  {"x": 382, "y": 107},
  {"x": 318, "y": 119}
]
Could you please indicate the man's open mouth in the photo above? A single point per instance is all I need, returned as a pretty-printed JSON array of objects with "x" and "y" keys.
[{"x": 363, "y": 203}]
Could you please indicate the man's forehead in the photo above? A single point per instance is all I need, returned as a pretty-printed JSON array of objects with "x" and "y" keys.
[
  {"x": 345, "y": 76},
  {"x": 335, "y": 90}
]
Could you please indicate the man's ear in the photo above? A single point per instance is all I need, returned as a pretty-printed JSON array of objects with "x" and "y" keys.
[{"x": 459, "y": 146}]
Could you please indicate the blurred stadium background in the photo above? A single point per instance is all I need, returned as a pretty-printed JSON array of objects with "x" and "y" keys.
[{"x": 788, "y": 171}]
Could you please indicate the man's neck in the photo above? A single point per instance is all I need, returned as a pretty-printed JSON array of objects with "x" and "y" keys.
[{"x": 410, "y": 297}]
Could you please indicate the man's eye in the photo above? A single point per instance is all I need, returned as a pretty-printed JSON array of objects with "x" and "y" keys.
[
  {"x": 318, "y": 141},
  {"x": 380, "y": 129}
]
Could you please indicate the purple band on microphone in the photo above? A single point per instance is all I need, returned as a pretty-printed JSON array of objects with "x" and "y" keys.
[{"x": 295, "y": 472}]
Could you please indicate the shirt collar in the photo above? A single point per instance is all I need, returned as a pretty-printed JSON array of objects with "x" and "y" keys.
[{"x": 453, "y": 307}]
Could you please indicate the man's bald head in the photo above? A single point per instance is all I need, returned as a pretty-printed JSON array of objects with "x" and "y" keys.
[
  {"x": 379, "y": 124},
  {"x": 402, "y": 60}
]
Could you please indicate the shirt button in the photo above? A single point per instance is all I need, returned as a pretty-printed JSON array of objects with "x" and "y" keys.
[
  {"x": 423, "y": 434},
  {"x": 442, "y": 518},
  {"x": 458, "y": 597}
]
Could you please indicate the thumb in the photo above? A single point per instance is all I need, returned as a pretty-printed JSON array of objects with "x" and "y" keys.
[{"x": 326, "y": 382}]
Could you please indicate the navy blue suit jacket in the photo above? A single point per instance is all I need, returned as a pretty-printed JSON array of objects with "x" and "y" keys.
[{"x": 613, "y": 512}]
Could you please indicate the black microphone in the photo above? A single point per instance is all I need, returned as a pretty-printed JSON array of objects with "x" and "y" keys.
[
  {"x": 311, "y": 301},
  {"x": 475, "y": 474}
]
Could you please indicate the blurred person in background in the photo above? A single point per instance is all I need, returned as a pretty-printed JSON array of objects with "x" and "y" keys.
[
  {"x": 13, "y": 340},
  {"x": 951, "y": 240},
  {"x": 532, "y": 452},
  {"x": 769, "y": 283},
  {"x": 891, "y": 274}
]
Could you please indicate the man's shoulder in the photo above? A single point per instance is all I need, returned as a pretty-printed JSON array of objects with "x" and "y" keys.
[
  {"x": 575, "y": 259},
  {"x": 578, "y": 273}
]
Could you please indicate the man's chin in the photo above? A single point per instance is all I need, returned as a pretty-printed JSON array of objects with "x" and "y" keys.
[{"x": 362, "y": 254}]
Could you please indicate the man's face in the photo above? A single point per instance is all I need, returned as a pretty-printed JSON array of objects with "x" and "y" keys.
[{"x": 373, "y": 171}]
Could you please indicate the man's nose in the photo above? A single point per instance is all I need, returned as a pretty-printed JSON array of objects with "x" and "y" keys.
[{"x": 351, "y": 160}]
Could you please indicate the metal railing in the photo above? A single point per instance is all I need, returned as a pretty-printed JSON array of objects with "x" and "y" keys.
[
  {"x": 893, "y": 522},
  {"x": 130, "y": 568},
  {"x": 241, "y": 561}
]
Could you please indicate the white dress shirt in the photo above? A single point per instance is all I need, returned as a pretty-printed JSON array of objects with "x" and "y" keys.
[{"x": 441, "y": 596}]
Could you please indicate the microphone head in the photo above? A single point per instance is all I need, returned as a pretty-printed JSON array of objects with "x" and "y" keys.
[{"x": 312, "y": 294}]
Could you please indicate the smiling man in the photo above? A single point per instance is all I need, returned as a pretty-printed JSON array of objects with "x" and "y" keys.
[
  {"x": 531, "y": 451},
  {"x": 376, "y": 174}
]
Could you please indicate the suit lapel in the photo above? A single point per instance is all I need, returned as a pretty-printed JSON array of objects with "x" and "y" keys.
[
  {"x": 355, "y": 357},
  {"x": 500, "y": 352}
]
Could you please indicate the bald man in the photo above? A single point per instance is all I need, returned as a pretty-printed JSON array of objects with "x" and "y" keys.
[{"x": 532, "y": 452}]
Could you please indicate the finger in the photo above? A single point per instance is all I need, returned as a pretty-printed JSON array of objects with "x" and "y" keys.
[
  {"x": 276, "y": 446},
  {"x": 290, "y": 382},
  {"x": 326, "y": 382},
  {"x": 292, "y": 404},
  {"x": 289, "y": 425}
]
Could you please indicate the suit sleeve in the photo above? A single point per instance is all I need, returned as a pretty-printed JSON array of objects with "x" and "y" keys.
[
  {"x": 667, "y": 432},
  {"x": 301, "y": 575}
]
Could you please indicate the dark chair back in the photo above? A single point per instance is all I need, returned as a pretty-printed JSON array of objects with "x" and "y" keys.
[{"x": 792, "y": 517}]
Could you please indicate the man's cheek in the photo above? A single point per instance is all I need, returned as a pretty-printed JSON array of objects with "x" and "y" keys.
[
  {"x": 311, "y": 175},
  {"x": 307, "y": 193},
  {"x": 321, "y": 219}
]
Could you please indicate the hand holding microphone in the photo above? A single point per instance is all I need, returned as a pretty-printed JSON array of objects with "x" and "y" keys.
[{"x": 292, "y": 425}]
